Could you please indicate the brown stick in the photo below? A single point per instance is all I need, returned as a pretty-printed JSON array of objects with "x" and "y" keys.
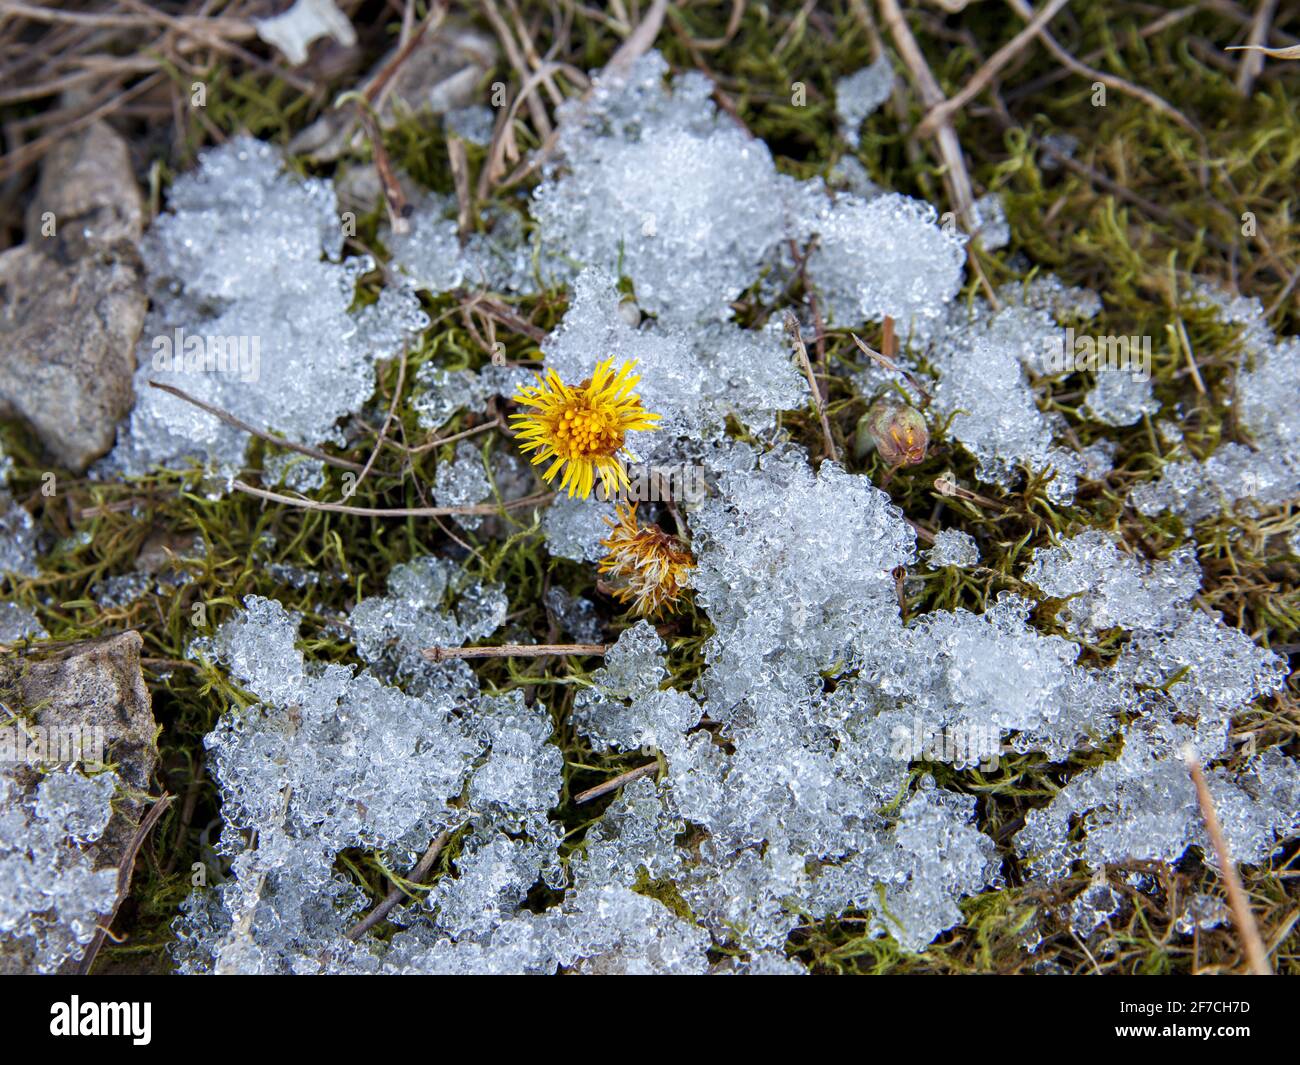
[
  {"x": 801, "y": 349},
  {"x": 638, "y": 42},
  {"x": 946, "y": 486},
  {"x": 459, "y": 160},
  {"x": 956, "y": 176},
  {"x": 940, "y": 114},
  {"x": 615, "y": 783},
  {"x": 124, "y": 870},
  {"x": 889, "y": 363},
  {"x": 1247, "y": 930},
  {"x": 394, "y": 512},
  {"x": 514, "y": 650},
  {"x": 1252, "y": 63},
  {"x": 390, "y": 900},
  {"x": 427, "y": 445},
  {"x": 261, "y": 434}
]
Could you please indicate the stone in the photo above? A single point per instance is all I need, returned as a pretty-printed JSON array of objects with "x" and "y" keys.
[
  {"x": 442, "y": 74},
  {"x": 73, "y": 841},
  {"x": 74, "y": 301}
]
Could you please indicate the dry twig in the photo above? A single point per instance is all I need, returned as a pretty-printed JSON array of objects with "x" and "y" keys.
[
  {"x": 261, "y": 434},
  {"x": 390, "y": 900},
  {"x": 1247, "y": 930},
  {"x": 124, "y": 871},
  {"x": 615, "y": 783},
  {"x": 515, "y": 650},
  {"x": 394, "y": 512},
  {"x": 801, "y": 349}
]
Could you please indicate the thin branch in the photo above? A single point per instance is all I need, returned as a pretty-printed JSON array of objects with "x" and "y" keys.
[
  {"x": 394, "y": 512},
  {"x": 801, "y": 349},
  {"x": 390, "y": 900},
  {"x": 1241, "y": 915},
  {"x": 124, "y": 870},
  {"x": 956, "y": 176},
  {"x": 944, "y": 485},
  {"x": 999, "y": 59},
  {"x": 34, "y": 150},
  {"x": 615, "y": 783},
  {"x": 515, "y": 650},
  {"x": 638, "y": 42},
  {"x": 1252, "y": 63},
  {"x": 496, "y": 423},
  {"x": 1112, "y": 81},
  {"x": 261, "y": 434},
  {"x": 383, "y": 431},
  {"x": 889, "y": 364}
]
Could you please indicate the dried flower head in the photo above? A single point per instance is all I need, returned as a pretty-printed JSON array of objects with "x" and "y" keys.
[
  {"x": 582, "y": 428},
  {"x": 652, "y": 564}
]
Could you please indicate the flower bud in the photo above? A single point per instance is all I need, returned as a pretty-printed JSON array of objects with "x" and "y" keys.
[{"x": 897, "y": 431}]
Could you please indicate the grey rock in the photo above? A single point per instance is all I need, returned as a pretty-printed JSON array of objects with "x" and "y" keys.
[
  {"x": 89, "y": 685},
  {"x": 442, "y": 74},
  {"x": 72, "y": 303}
]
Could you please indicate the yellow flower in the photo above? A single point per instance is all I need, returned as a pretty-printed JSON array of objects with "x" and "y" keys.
[
  {"x": 582, "y": 428},
  {"x": 652, "y": 564}
]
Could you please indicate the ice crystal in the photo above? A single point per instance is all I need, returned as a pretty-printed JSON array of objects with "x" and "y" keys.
[
  {"x": 1267, "y": 386},
  {"x": 443, "y": 392},
  {"x": 1142, "y": 807},
  {"x": 51, "y": 897},
  {"x": 884, "y": 256},
  {"x": 390, "y": 631},
  {"x": 1234, "y": 474},
  {"x": 296, "y": 472},
  {"x": 952, "y": 547},
  {"x": 114, "y": 592},
  {"x": 625, "y": 709},
  {"x": 575, "y": 527},
  {"x": 791, "y": 566},
  {"x": 473, "y": 123},
  {"x": 574, "y": 615},
  {"x": 1201, "y": 911},
  {"x": 431, "y": 255},
  {"x": 693, "y": 378},
  {"x": 461, "y": 482},
  {"x": 991, "y": 226},
  {"x": 790, "y": 778},
  {"x": 1095, "y": 904},
  {"x": 654, "y": 177},
  {"x": 1207, "y": 670},
  {"x": 1106, "y": 588},
  {"x": 859, "y": 94},
  {"x": 994, "y": 672},
  {"x": 17, "y": 538},
  {"x": 250, "y": 299},
  {"x": 1120, "y": 399},
  {"x": 981, "y": 357},
  {"x": 18, "y": 623},
  {"x": 329, "y": 758}
]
